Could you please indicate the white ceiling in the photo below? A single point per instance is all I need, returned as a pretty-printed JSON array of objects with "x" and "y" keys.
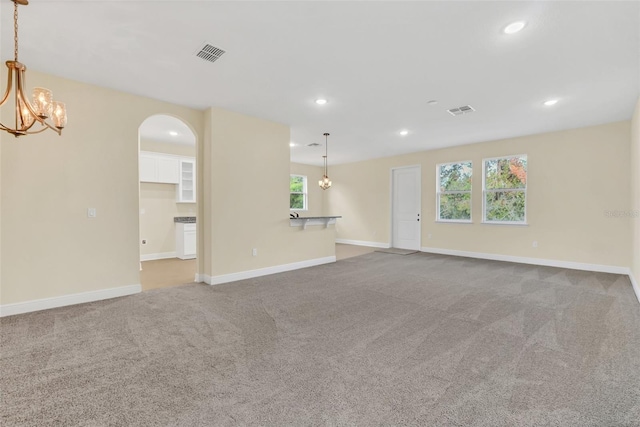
[{"x": 378, "y": 63}]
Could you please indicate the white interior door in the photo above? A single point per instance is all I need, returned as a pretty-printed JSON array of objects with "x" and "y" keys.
[{"x": 406, "y": 208}]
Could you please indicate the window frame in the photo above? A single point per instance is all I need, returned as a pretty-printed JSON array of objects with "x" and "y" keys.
[
  {"x": 485, "y": 191},
  {"x": 305, "y": 194},
  {"x": 438, "y": 193}
]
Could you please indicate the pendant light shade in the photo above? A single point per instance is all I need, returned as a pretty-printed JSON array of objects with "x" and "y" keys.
[{"x": 325, "y": 182}]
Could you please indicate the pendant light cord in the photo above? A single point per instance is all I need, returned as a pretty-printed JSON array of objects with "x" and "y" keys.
[
  {"x": 326, "y": 152},
  {"x": 15, "y": 30}
]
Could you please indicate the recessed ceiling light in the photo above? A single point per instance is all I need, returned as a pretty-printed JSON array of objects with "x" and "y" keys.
[
  {"x": 321, "y": 101},
  {"x": 550, "y": 102},
  {"x": 404, "y": 132},
  {"x": 514, "y": 27},
  {"x": 292, "y": 144},
  {"x": 173, "y": 133}
]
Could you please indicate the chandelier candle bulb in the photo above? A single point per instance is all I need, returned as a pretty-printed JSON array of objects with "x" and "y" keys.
[
  {"x": 26, "y": 117},
  {"x": 59, "y": 114},
  {"x": 42, "y": 102}
]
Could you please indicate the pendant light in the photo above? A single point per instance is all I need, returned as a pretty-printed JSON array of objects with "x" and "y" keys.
[
  {"x": 325, "y": 182},
  {"x": 43, "y": 106}
]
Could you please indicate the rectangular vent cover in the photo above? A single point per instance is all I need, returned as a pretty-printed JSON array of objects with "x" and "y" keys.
[
  {"x": 313, "y": 144},
  {"x": 210, "y": 53},
  {"x": 465, "y": 109}
]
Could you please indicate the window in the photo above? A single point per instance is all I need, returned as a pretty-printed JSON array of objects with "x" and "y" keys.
[
  {"x": 454, "y": 192},
  {"x": 298, "y": 192},
  {"x": 505, "y": 190}
]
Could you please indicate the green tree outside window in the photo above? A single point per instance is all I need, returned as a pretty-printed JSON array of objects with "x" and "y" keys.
[
  {"x": 505, "y": 185},
  {"x": 454, "y": 191},
  {"x": 297, "y": 192}
]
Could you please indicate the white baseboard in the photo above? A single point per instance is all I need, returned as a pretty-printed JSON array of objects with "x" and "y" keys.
[
  {"x": 250, "y": 274},
  {"x": 162, "y": 255},
  {"x": 535, "y": 261},
  {"x": 363, "y": 243},
  {"x": 61, "y": 301},
  {"x": 634, "y": 284}
]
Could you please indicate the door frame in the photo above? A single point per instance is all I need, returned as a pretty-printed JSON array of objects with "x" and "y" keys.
[{"x": 419, "y": 168}]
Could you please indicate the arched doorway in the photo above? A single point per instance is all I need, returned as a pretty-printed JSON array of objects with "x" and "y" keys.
[{"x": 167, "y": 149}]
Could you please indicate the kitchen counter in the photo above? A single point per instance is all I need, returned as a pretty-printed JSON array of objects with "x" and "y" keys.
[
  {"x": 303, "y": 221},
  {"x": 185, "y": 219}
]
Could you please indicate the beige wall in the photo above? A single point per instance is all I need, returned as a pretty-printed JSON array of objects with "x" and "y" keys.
[
  {"x": 158, "y": 202},
  {"x": 315, "y": 194},
  {"x": 635, "y": 193},
  {"x": 249, "y": 187},
  {"x": 575, "y": 176},
  {"x": 49, "y": 247}
]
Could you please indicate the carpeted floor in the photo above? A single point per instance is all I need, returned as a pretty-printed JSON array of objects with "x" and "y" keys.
[{"x": 377, "y": 339}]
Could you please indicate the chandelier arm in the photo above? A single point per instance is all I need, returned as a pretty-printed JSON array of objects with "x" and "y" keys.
[
  {"x": 42, "y": 129},
  {"x": 9, "y": 84},
  {"x": 24, "y": 101},
  {"x": 23, "y": 131},
  {"x": 3, "y": 127}
]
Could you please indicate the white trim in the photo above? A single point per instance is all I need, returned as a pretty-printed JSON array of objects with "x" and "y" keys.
[
  {"x": 161, "y": 255},
  {"x": 535, "y": 261},
  {"x": 250, "y": 274},
  {"x": 635, "y": 285},
  {"x": 521, "y": 224},
  {"x": 364, "y": 243},
  {"x": 64, "y": 300}
]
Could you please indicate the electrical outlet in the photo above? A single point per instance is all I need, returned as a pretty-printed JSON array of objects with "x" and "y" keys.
[
  {"x": 429, "y": 236},
  {"x": 254, "y": 252},
  {"x": 144, "y": 241},
  {"x": 535, "y": 243}
]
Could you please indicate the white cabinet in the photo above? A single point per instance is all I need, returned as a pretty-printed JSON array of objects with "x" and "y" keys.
[
  {"x": 168, "y": 170},
  {"x": 156, "y": 167},
  {"x": 187, "y": 184},
  {"x": 185, "y": 240}
]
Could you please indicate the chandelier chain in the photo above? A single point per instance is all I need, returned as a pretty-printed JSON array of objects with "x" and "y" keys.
[{"x": 15, "y": 30}]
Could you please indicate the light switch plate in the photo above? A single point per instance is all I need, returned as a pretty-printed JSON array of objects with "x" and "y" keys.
[{"x": 91, "y": 212}]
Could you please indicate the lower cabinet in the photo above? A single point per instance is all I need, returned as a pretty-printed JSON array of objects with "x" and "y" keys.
[{"x": 185, "y": 240}]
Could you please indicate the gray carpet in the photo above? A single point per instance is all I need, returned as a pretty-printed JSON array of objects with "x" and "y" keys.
[{"x": 423, "y": 340}]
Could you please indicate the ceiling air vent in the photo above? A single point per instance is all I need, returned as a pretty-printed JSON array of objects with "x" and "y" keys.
[
  {"x": 314, "y": 144},
  {"x": 210, "y": 53},
  {"x": 465, "y": 109}
]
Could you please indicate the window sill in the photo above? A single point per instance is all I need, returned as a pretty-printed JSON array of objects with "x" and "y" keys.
[
  {"x": 298, "y": 210},
  {"x": 517, "y": 224},
  {"x": 453, "y": 221}
]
